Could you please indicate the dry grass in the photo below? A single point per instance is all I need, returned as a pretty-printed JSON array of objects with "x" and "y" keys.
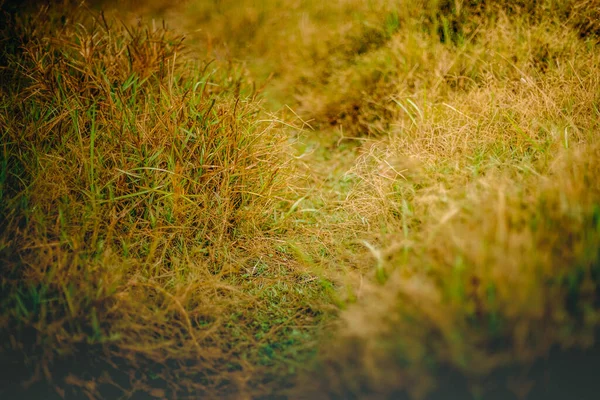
[
  {"x": 142, "y": 193},
  {"x": 170, "y": 229}
]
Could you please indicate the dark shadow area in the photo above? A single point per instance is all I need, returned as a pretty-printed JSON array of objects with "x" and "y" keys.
[{"x": 564, "y": 374}]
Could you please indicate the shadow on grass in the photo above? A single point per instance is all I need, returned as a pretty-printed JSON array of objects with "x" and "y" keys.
[{"x": 563, "y": 375}]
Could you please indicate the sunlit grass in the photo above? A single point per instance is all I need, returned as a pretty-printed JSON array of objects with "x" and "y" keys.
[{"x": 140, "y": 190}]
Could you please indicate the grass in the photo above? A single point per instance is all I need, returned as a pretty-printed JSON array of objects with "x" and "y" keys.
[
  {"x": 300, "y": 199},
  {"x": 139, "y": 187}
]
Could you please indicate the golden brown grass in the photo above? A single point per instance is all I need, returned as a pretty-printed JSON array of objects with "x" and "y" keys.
[
  {"x": 433, "y": 182},
  {"x": 142, "y": 195}
]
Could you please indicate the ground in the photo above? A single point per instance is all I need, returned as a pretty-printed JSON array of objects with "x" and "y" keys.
[{"x": 300, "y": 199}]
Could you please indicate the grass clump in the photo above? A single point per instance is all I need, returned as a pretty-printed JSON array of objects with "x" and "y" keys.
[
  {"x": 483, "y": 202},
  {"x": 137, "y": 187},
  {"x": 494, "y": 278},
  {"x": 343, "y": 63}
]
